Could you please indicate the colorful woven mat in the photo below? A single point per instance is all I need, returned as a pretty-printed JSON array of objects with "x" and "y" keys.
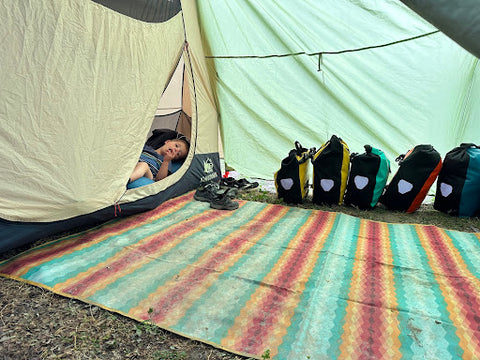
[{"x": 302, "y": 284}]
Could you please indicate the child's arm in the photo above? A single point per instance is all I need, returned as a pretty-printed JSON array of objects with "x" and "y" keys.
[{"x": 163, "y": 171}]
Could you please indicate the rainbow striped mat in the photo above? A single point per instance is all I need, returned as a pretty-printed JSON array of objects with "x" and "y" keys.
[{"x": 302, "y": 284}]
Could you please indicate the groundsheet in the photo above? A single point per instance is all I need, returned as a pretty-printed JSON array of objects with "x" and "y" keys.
[{"x": 266, "y": 278}]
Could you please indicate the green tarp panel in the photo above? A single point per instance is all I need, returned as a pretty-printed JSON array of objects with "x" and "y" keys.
[{"x": 369, "y": 72}]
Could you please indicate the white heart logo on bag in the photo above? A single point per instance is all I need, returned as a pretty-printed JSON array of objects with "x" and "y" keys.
[
  {"x": 286, "y": 183},
  {"x": 404, "y": 186},
  {"x": 445, "y": 189},
  {"x": 360, "y": 182},
  {"x": 326, "y": 184}
]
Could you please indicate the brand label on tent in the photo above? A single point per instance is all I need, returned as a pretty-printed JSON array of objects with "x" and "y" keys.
[{"x": 208, "y": 170}]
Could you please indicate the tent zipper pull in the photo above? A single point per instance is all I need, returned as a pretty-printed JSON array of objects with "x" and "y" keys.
[{"x": 117, "y": 205}]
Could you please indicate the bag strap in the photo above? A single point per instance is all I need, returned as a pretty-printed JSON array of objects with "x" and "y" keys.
[
  {"x": 469, "y": 145},
  {"x": 299, "y": 148},
  {"x": 303, "y": 152},
  {"x": 400, "y": 158},
  {"x": 368, "y": 150}
]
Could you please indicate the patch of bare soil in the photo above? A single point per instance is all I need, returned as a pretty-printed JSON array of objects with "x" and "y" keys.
[{"x": 38, "y": 324}]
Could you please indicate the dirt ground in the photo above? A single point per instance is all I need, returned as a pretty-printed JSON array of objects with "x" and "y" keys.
[{"x": 38, "y": 324}]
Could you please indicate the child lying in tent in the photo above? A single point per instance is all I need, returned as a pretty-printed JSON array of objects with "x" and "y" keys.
[{"x": 162, "y": 154}]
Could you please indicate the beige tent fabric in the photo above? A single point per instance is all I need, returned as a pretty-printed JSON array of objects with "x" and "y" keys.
[{"x": 80, "y": 84}]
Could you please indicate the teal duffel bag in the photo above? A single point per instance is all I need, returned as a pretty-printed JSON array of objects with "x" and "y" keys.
[
  {"x": 367, "y": 179},
  {"x": 458, "y": 184}
]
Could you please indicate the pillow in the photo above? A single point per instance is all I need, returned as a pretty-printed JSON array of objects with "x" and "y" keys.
[
  {"x": 174, "y": 165},
  {"x": 140, "y": 182}
]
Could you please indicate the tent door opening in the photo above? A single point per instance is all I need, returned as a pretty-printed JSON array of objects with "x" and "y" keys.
[{"x": 174, "y": 110}]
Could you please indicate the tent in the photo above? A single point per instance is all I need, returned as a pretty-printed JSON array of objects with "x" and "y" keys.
[
  {"x": 370, "y": 72},
  {"x": 82, "y": 84}
]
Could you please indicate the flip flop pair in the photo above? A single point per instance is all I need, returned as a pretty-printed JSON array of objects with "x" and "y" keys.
[{"x": 240, "y": 184}]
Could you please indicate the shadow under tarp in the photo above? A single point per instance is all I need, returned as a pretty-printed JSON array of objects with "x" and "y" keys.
[{"x": 299, "y": 283}]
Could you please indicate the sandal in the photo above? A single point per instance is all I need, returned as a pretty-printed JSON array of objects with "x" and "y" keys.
[
  {"x": 228, "y": 182},
  {"x": 244, "y": 184},
  {"x": 247, "y": 185},
  {"x": 241, "y": 184}
]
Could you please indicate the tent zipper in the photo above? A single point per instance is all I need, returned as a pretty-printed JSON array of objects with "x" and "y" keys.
[{"x": 116, "y": 206}]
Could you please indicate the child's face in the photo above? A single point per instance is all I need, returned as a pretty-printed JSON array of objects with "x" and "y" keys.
[{"x": 177, "y": 149}]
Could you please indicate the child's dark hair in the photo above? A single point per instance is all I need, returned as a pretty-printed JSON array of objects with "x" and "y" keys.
[
  {"x": 159, "y": 136},
  {"x": 184, "y": 139}
]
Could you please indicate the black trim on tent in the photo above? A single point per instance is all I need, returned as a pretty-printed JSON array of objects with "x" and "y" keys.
[
  {"x": 17, "y": 234},
  {"x": 155, "y": 11}
]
